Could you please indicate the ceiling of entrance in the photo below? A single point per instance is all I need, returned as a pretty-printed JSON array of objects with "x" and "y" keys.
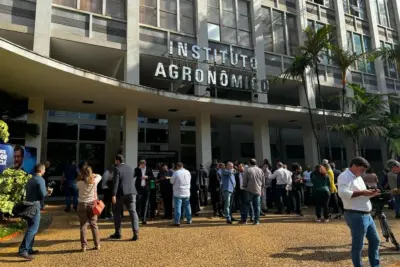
[{"x": 64, "y": 88}]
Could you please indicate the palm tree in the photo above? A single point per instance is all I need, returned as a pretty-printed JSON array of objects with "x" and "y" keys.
[
  {"x": 296, "y": 71},
  {"x": 391, "y": 54},
  {"x": 366, "y": 120},
  {"x": 344, "y": 59},
  {"x": 316, "y": 46}
]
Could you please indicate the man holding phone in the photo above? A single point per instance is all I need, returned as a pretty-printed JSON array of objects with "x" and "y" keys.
[{"x": 357, "y": 207}]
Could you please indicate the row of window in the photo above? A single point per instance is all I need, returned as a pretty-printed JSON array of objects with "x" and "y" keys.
[
  {"x": 112, "y": 8},
  {"x": 389, "y": 67},
  {"x": 359, "y": 44},
  {"x": 385, "y": 13}
]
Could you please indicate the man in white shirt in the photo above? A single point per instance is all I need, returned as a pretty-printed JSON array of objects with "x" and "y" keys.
[
  {"x": 282, "y": 180},
  {"x": 180, "y": 181},
  {"x": 357, "y": 207}
]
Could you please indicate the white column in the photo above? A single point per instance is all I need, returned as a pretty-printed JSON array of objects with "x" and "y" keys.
[
  {"x": 225, "y": 141},
  {"x": 203, "y": 140},
  {"x": 113, "y": 142},
  {"x": 259, "y": 52},
  {"x": 310, "y": 146},
  {"x": 130, "y": 146},
  {"x": 375, "y": 42},
  {"x": 301, "y": 19},
  {"x": 310, "y": 93},
  {"x": 261, "y": 140},
  {"x": 37, "y": 117},
  {"x": 202, "y": 41},
  {"x": 41, "y": 40},
  {"x": 132, "y": 74},
  {"x": 174, "y": 135}
]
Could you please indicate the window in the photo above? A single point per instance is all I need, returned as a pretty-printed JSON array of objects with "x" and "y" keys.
[
  {"x": 188, "y": 137},
  {"x": 389, "y": 66},
  {"x": 356, "y": 8},
  {"x": 275, "y": 24},
  {"x": 168, "y": 11},
  {"x": 156, "y": 136},
  {"x": 360, "y": 44},
  {"x": 295, "y": 152},
  {"x": 229, "y": 23},
  {"x": 247, "y": 150},
  {"x": 92, "y": 132},
  {"x": 384, "y": 13},
  {"x": 66, "y": 131},
  {"x": 113, "y": 8},
  {"x": 327, "y": 3}
]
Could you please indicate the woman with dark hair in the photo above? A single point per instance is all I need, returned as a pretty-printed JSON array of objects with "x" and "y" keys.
[{"x": 321, "y": 185}]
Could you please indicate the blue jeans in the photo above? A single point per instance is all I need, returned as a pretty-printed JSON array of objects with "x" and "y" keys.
[
  {"x": 361, "y": 226},
  {"x": 397, "y": 205},
  {"x": 227, "y": 205},
  {"x": 242, "y": 202},
  {"x": 71, "y": 190},
  {"x": 251, "y": 200},
  {"x": 179, "y": 202},
  {"x": 33, "y": 228}
]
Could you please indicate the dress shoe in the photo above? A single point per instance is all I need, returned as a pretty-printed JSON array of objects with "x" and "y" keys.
[
  {"x": 33, "y": 252},
  {"x": 135, "y": 237},
  {"x": 26, "y": 256},
  {"x": 115, "y": 236}
]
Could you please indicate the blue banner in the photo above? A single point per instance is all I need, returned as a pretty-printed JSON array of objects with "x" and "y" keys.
[{"x": 17, "y": 157}]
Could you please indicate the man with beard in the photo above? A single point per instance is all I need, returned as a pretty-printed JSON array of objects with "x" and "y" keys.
[{"x": 143, "y": 175}]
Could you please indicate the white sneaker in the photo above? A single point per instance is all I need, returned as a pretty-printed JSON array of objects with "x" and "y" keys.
[{"x": 317, "y": 220}]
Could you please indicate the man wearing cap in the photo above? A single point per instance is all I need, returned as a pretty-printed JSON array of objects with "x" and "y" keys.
[
  {"x": 357, "y": 207},
  {"x": 394, "y": 182}
]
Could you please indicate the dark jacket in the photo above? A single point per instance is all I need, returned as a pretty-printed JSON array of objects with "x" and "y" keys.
[
  {"x": 238, "y": 191},
  {"x": 35, "y": 189},
  {"x": 123, "y": 181},
  {"x": 138, "y": 175},
  {"x": 202, "y": 177},
  {"x": 165, "y": 184},
  {"x": 26, "y": 209},
  {"x": 214, "y": 182}
]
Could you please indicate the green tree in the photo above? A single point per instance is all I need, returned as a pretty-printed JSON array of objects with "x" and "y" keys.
[
  {"x": 297, "y": 71},
  {"x": 391, "y": 54},
  {"x": 316, "y": 45},
  {"x": 392, "y": 123},
  {"x": 366, "y": 120}
]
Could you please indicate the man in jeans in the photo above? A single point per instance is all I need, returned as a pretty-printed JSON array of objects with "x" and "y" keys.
[
  {"x": 228, "y": 187},
  {"x": 394, "y": 182},
  {"x": 68, "y": 183},
  {"x": 35, "y": 192},
  {"x": 253, "y": 184},
  {"x": 180, "y": 181},
  {"x": 357, "y": 207}
]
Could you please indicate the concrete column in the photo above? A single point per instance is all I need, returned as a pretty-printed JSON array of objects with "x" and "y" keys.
[
  {"x": 261, "y": 141},
  {"x": 203, "y": 139},
  {"x": 174, "y": 142},
  {"x": 41, "y": 40},
  {"x": 350, "y": 150},
  {"x": 130, "y": 144},
  {"x": 202, "y": 41},
  {"x": 301, "y": 19},
  {"x": 375, "y": 42},
  {"x": 113, "y": 142},
  {"x": 384, "y": 151},
  {"x": 44, "y": 136},
  {"x": 132, "y": 74},
  {"x": 225, "y": 141},
  {"x": 37, "y": 117},
  {"x": 310, "y": 93},
  {"x": 258, "y": 43},
  {"x": 310, "y": 146}
]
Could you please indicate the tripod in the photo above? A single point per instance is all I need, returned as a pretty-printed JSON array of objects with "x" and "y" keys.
[{"x": 386, "y": 230}]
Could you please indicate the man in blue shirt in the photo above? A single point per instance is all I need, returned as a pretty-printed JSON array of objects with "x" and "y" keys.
[
  {"x": 35, "y": 192},
  {"x": 228, "y": 186},
  {"x": 71, "y": 190}
]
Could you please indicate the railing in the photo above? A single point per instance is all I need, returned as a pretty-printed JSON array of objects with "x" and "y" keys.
[
  {"x": 322, "y": 13},
  {"x": 18, "y": 12},
  {"x": 110, "y": 8}
]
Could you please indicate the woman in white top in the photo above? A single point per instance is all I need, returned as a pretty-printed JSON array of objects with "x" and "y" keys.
[{"x": 87, "y": 186}]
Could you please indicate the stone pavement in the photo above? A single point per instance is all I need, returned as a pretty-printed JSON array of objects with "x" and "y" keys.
[{"x": 278, "y": 241}]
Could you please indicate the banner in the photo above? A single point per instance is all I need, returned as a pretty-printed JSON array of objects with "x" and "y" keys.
[{"x": 17, "y": 157}]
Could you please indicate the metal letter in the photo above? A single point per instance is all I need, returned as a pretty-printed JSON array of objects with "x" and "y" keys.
[
  {"x": 223, "y": 78},
  {"x": 173, "y": 71},
  {"x": 212, "y": 77},
  {"x": 236, "y": 82},
  {"x": 182, "y": 49},
  {"x": 253, "y": 63},
  {"x": 223, "y": 53},
  {"x": 244, "y": 57},
  {"x": 160, "y": 70},
  {"x": 196, "y": 52},
  {"x": 171, "y": 47},
  {"x": 207, "y": 50},
  {"x": 199, "y": 75},
  {"x": 186, "y": 73}
]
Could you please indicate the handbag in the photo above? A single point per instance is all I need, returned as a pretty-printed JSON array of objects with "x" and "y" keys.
[{"x": 98, "y": 205}]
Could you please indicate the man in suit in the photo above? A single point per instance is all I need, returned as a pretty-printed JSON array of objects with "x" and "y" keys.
[
  {"x": 144, "y": 179},
  {"x": 124, "y": 193}
]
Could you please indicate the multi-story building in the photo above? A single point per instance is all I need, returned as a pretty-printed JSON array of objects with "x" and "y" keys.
[{"x": 185, "y": 75}]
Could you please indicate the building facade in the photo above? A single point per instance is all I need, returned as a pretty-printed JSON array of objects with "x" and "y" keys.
[{"x": 188, "y": 76}]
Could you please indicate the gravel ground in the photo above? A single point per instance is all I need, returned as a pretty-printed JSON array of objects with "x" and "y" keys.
[{"x": 278, "y": 241}]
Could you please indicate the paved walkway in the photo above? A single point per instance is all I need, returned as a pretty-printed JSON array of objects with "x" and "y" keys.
[{"x": 278, "y": 241}]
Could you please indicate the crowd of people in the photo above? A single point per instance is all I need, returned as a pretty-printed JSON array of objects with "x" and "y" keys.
[{"x": 232, "y": 186}]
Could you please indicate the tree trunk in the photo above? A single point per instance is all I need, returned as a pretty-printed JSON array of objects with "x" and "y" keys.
[
  {"x": 311, "y": 118},
  {"x": 323, "y": 112},
  {"x": 342, "y": 114},
  {"x": 356, "y": 146}
]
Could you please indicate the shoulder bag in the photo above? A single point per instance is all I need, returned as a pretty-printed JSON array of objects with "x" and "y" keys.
[{"x": 98, "y": 205}]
